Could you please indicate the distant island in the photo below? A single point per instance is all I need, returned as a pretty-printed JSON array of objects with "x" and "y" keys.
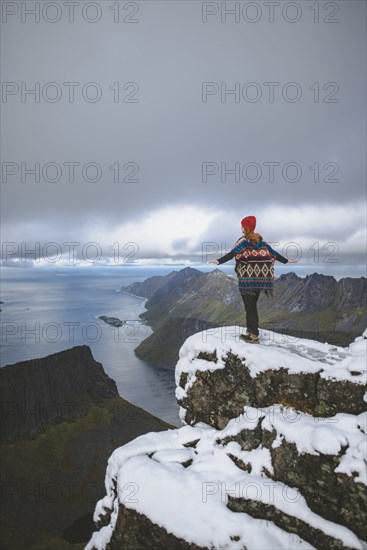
[{"x": 114, "y": 321}]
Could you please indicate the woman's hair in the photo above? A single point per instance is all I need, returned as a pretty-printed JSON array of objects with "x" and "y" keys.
[{"x": 252, "y": 236}]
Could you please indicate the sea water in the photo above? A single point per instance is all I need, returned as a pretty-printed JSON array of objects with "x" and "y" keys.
[{"x": 48, "y": 310}]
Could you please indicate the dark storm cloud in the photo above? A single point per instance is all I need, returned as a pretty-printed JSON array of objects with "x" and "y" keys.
[{"x": 180, "y": 148}]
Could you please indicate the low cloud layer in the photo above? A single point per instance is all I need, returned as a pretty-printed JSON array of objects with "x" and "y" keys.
[{"x": 321, "y": 238}]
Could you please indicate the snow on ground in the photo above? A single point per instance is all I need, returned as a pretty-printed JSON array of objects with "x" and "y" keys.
[
  {"x": 275, "y": 351},
  {"x": 190, "y": 501}
]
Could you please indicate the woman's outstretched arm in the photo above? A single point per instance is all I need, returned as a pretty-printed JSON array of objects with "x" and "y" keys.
[
  {"x": 278, "y": 256},
  {"x": 240, "y": 243},
  {"x": 223, "y": 259}
]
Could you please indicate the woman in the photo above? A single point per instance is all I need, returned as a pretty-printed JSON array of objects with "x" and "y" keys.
[{"x": 255, "y": 272}]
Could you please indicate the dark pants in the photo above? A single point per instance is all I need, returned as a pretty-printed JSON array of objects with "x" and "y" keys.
[{"x": 252, "y": 318}]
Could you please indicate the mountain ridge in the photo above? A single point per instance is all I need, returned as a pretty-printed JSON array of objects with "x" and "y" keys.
[{"x": 316, "y": 306}]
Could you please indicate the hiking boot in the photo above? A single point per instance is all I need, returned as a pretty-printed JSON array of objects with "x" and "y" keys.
[{"x": 250, "y": 338}]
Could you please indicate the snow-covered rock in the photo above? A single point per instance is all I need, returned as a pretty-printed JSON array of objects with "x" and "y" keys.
[
  {"x": 217, "y": 374},
  {"x": 272, "y": 454}
]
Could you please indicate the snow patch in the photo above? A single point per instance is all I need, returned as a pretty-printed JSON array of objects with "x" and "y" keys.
[{"x": 191, "y": 502}]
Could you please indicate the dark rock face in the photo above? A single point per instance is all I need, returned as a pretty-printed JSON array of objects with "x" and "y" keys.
[
  {"x": 40, "y": 392},
  {"x": 351, "y": 293},
  {"x": 62, "y": 418},
  {"x": 334, "y": 496},
  {"x": 135, "y": 531},
  {"x": 317, "y": 292},
  {"x": 219, "y": 395},
  {"x": 290, "y": 523}
]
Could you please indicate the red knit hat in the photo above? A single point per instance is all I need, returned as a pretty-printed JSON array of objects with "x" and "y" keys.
[{"x": 249, "y": 222}]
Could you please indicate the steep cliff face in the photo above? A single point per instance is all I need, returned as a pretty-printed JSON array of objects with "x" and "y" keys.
[
  {"x": 61, "y": 419},
  {"x": 162, "y": 346},
  {"x": 272, "y": 454},
  {"x": 185, "y": 284},
  {"x": 351, "y": 293},
  {"x": 40, "y": 392},
  {"x": 188, "y": 303}
]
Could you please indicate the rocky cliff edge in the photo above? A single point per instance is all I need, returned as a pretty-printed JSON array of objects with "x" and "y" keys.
[{"x": 272, "y": 454}]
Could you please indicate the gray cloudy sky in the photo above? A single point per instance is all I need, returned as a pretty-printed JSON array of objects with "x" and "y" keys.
[{"x": 174, "y": 131}]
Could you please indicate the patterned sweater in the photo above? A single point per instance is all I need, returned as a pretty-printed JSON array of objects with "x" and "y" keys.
[{"x": 254, "y": 265}]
